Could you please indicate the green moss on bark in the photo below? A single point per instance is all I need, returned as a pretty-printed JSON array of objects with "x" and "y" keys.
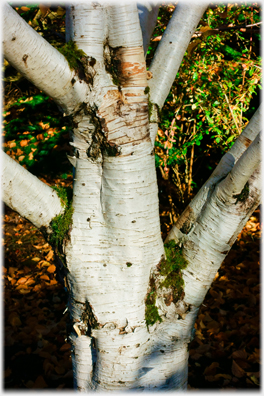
[
  {"x": 243, "y": 196},
  {"x": 72, "y": 53},
  {"x": 60, "y": 225},
  {"x": 151, "y": 311},
  {"x": 170, "y": 268}
]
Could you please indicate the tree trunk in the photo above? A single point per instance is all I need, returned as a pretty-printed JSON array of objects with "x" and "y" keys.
[{"x": 132, "y": 315}]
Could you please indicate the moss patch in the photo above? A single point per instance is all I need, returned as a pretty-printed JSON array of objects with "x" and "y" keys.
[
  {"x": 243, "y": 196},
  {"x": 151, "y": 311},
  {"x": 72, "y": 53},
  {"x": 170, "y": 268},
  {"x": 60, "y": 224}
]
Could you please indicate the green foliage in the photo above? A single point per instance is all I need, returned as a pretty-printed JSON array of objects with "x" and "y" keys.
[
  {"x": 211, "y": 99},
  {"x": 72, "y": 53},
  {"x": 34, "y": 132}
]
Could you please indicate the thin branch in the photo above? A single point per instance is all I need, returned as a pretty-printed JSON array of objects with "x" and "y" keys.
[
  {"x": 230, "y": 108},
  {"x": 242, "y": 28}
]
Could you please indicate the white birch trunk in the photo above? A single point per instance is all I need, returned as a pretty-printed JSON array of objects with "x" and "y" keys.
[{"x": 114, "y": 246}]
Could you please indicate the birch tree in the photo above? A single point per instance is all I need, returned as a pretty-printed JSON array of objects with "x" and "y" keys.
[{"x": 133, "y": 300}]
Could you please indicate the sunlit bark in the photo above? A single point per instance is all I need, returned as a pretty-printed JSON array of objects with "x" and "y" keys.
[
  {"x": 40, "y": 63},
  {"x": 27, "y": 195},
  {"x": 114, "y": 243}
]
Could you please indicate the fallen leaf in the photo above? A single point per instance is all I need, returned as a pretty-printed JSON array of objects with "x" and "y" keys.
[
  {"x": 241, "y": 354},
  {"x": 45, "y": 277},
  {"x": 50, "y": 255},
  {"x": 40, "y": 383},
  {"x": 24, "y": 142},
  {"x": 60, "y": 370},
  {"x": 210, "y": 370},
  {"x": 51, "y": 269},
  {"x": 14, "y": 319},
  {"x": 65, "y": 347},
  {"x": 237, "y": 370}
]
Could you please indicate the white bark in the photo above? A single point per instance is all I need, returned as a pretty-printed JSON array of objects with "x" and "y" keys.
[
  {"x": 40, "y": 63},
  {"x": 148, "y": 13},
  {"x": 124, "y": 28},
  {"x": 91, "y": 34},
  {"x": 171, "y": 49},
  {"x": 243, "y": 169},
  {"x": 218, "y": 225},
  {"x": 212, "y": 237},
  {"x": 27, "y": 195}
]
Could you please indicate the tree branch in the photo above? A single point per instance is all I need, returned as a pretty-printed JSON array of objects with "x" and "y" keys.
[
  {"x": 40, "y": 63},
  {"x": 235, "y": 181},
  {"x": 192, "y": 211},
  {"x": 222, "y": 218},
  {"x": 27, "y": 195},
  {"x": 148, "y": 13},
  {"x": 171, "y": 49}
]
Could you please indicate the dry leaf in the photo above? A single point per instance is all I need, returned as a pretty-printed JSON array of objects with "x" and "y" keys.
[
  {"x": 24, "y": 142},
  {"x": 45, "y": 277},
  {"x": 40, "y": 383},
  {"x": 44, "y": 8},
  {"x": 237, "y": 370},
  {"x": 14, "y": 319},
  {"x": 65, "y": 347},
  {"x": 239, "y": 354},
  {"x": 192, "y": 46},
  {"x": 210, "y": 370},
  {"x": 51, "y": 269},
  {"x": 50, "y": 255}
]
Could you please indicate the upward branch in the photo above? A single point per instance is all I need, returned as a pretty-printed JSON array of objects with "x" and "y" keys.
[
  {"x": 171, "y": 49},
  {"x": 148, "y": 13},
  {"x": 192, "y": 211},
  {"x": 39, "y": 62}
]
